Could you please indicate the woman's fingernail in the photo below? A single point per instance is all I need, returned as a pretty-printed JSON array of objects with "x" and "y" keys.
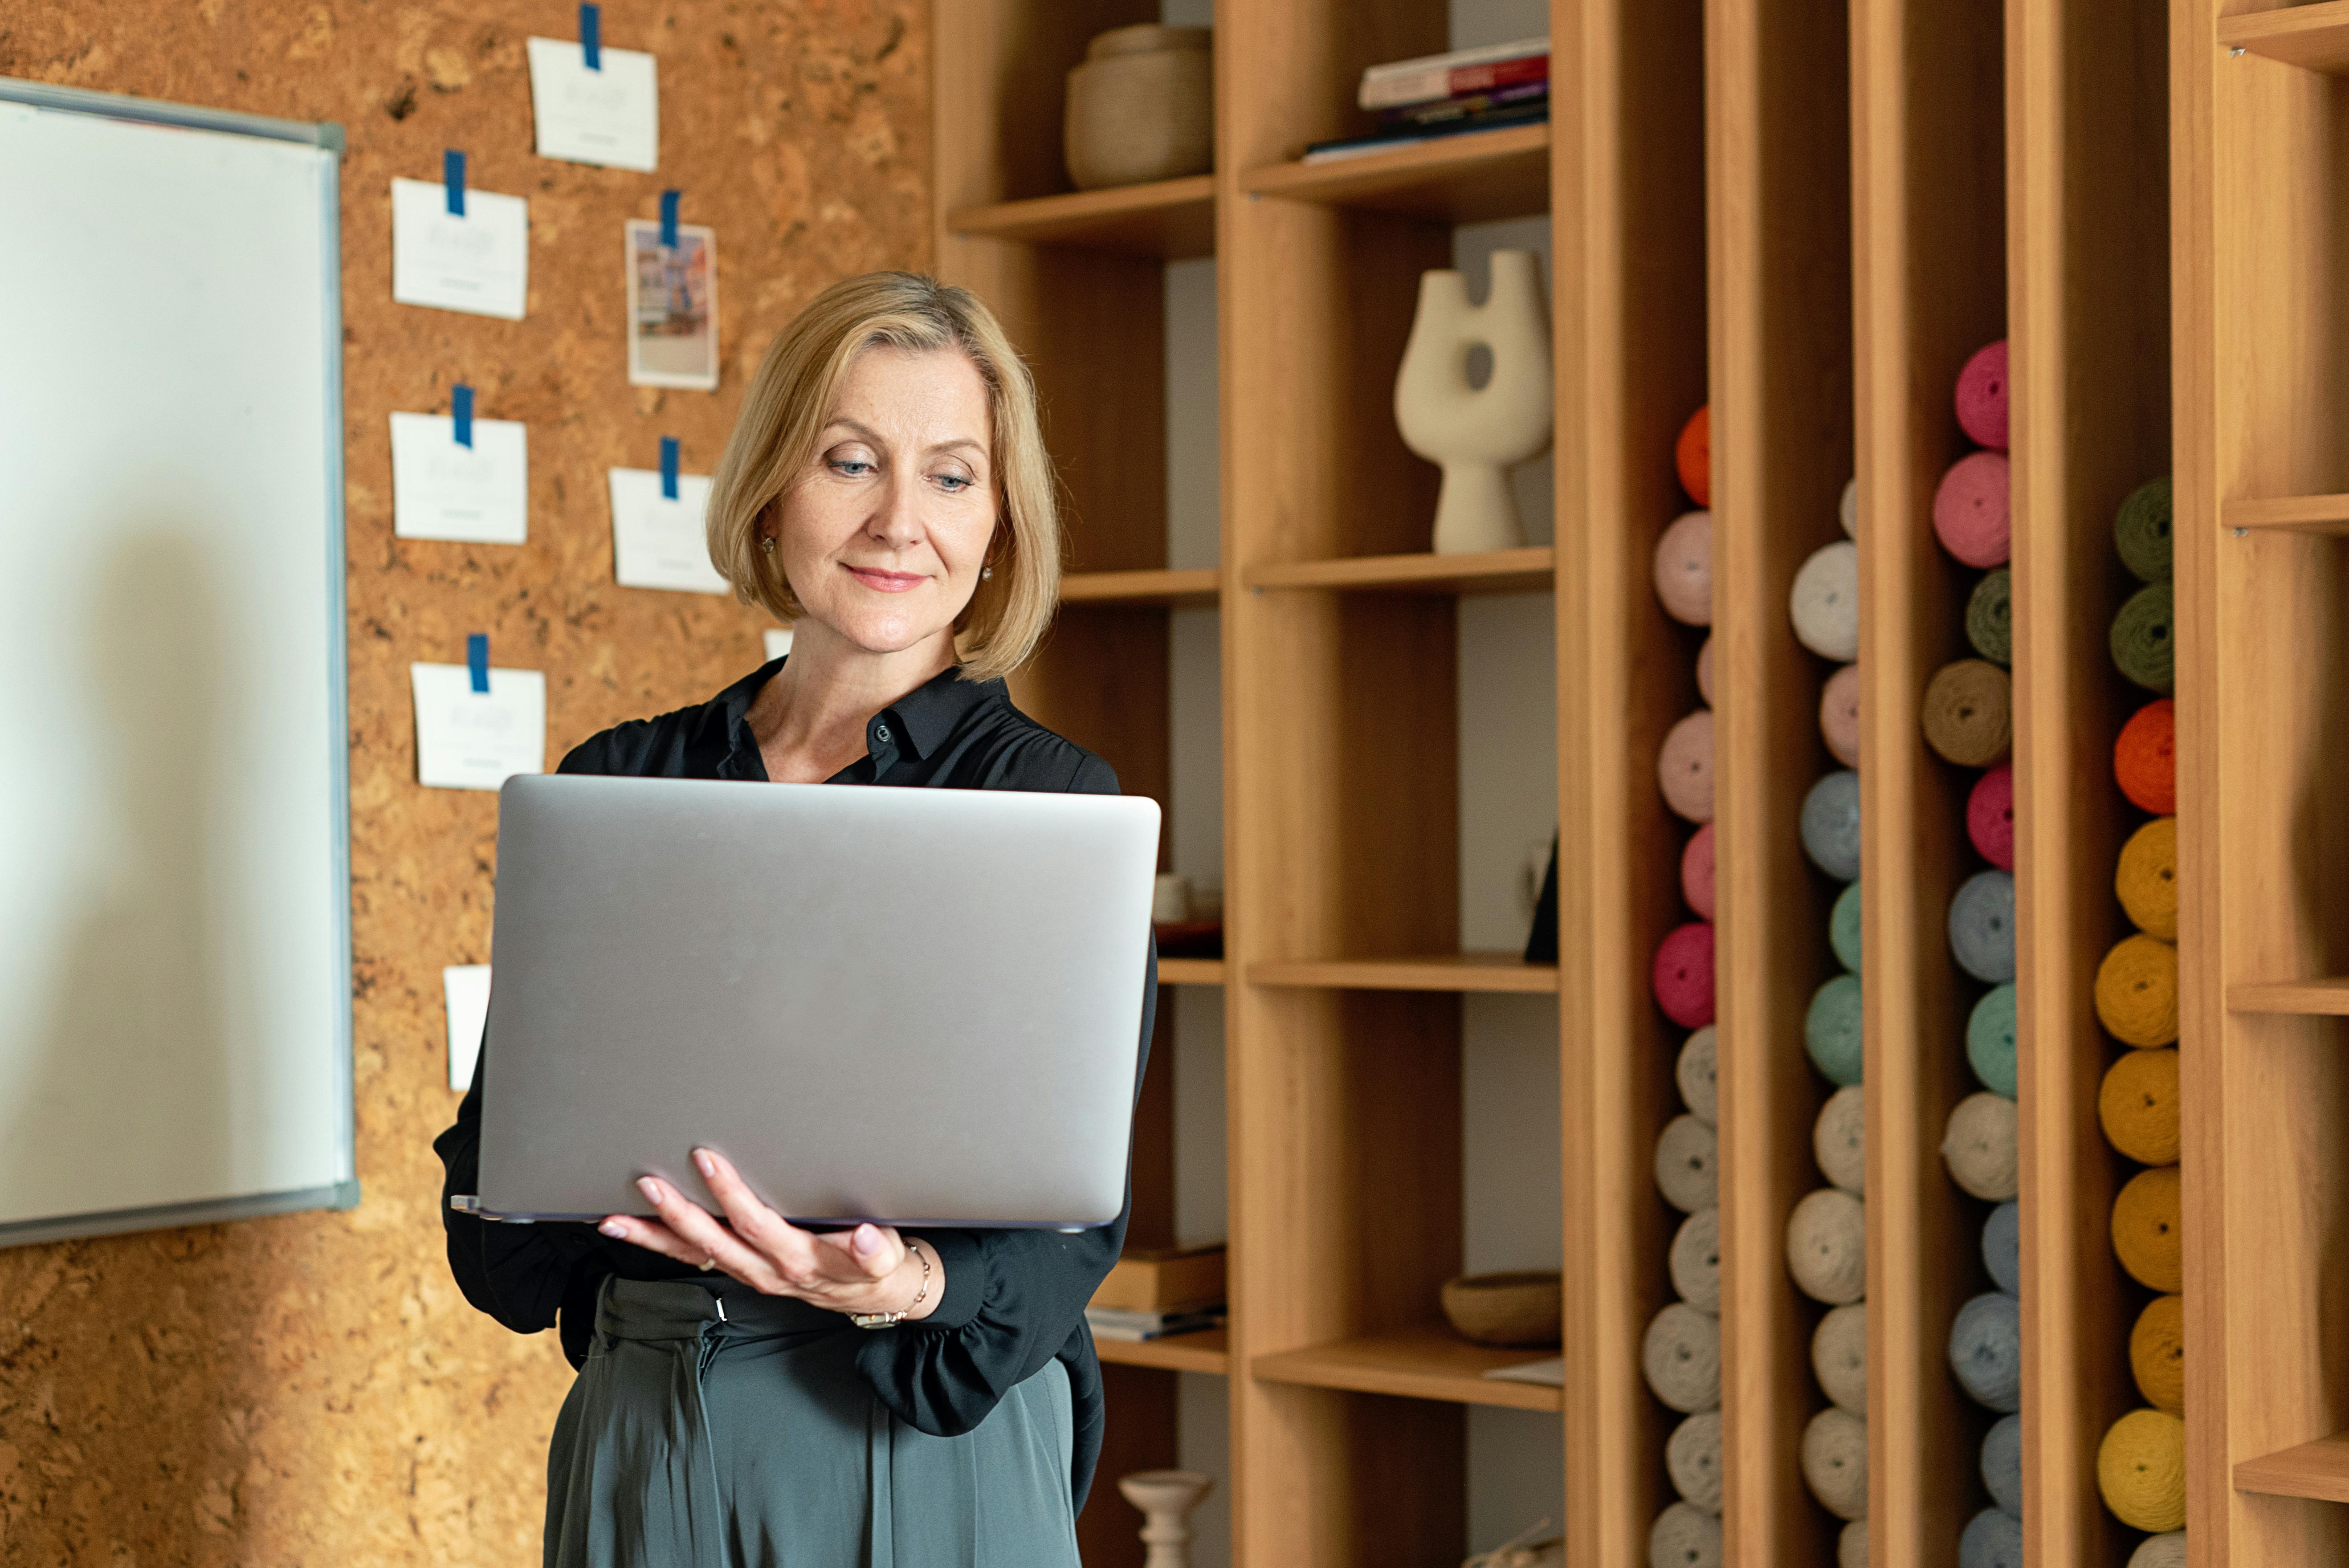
[
  {"x": 612, "y": 1228},
  {"x": 649, "y": 1188},
  {"x": 866, "y": 1242},
  {"x": 704, "y": 1162}
]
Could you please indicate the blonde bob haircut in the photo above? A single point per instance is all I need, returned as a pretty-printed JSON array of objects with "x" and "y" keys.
[{"x": 774, "y": 445}]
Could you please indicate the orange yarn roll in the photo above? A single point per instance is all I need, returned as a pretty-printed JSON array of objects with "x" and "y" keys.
[
  {"x": 1693, "y": 456},
  {"x": 2145, "y": 758},
  {"x": 2145, "y": 1224}
]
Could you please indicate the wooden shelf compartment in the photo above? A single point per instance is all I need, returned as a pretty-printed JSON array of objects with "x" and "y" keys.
[
  {"x": 2317, "y": 1471},
  {"x": 1529, "y": 570},
  {"x": 1208, "y": 1351},
  {"x": 2299, "y": 513},
  {"x": 1426, "y": 1362},
  {"x": 1190, "y": 971},
  {"x": 1148, "y": 586},
  {"x": 2314, "y": 37},
  {"x": 1436, "y": 972},
  {"x": 1471, "y": 178},
  {"x": 1173, "y": 220}
]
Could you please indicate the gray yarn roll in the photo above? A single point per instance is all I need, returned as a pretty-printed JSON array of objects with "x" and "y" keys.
[
  {"x": 1831, "y": 824},
  {"x": 2002, "y": 1464},
  {"x": 1981, "y": 927},
  {"x": 2003, "y": 1247},
  {"x": 1692, "y": 1459},
  {"x": 1992, "y": 1540},
  {"x": 1696, "y": 1261},
  {"x": 1827, "y": 1246},
  {"x": 1839, "y": 1138},
  {"x": 1681, "y": 1356},
  {"x": 2167, "y": 1550},
  {"x": 1835, "y": 1462},
  {"x": 1839, "y": 1357},
  {"x": 1979, "y": 1146},
  {"x": 1851, "y": 1546},
  {"x": 1986, "y": 1350},
  {"x": 1685, "y": 1169},
  {"x": 1695, "y": 1075},
  {"x": 1684, "y": 1537}
]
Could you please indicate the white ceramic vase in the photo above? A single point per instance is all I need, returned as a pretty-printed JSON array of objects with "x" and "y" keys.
[
  {"x": 1166, "y": 1498},
  {"x": 1477, "y": 433}
]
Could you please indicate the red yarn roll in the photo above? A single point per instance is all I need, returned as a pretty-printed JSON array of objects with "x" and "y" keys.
[
  {"x": 1972, "y": 510},
  {"x": 1683, "y": 976},
  {"x": 1990, "y": 816},
  {"x": 1693, "y": 455},
  {"x": 1696, "y": 871},
  {"x": 2145, "y": 758},
  {"x": 1982, "y": 396}
]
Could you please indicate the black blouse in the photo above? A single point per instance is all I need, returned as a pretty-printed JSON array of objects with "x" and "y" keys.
[{"x": 1014, "y": 1300}]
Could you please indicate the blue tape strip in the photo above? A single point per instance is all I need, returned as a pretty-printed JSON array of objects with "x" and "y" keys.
[
  {"x": 591, "y": 35},
  {"x": 668, "y": 468},
  {"x": 477, "y": 661},
  {"x": 460, "y": 413},
  {"x": 668, "y": 219},
  {"x": 452, "y": 177}
]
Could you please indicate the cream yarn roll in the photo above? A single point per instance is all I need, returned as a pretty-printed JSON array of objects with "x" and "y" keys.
[
  {"x": 1839, "y": 1357},
  {"x": 1686, "y": 1172},
  {"x": 1684, "y": 1537},
  {"x": 1696, "y": 1261},
  {"x": 1835, "y": 1462},
  {"x": 1848, "y": 507},
  {"x": 1692, "y": 1459},
  {"x": 1827, "y": 1246},
  {"x": 1980, "y": 1146},
  {"x": 1851, "y": 1545},
  {"x": 1681, "y": 1356},
  {"x": 1839, "y": 1138},
  {"x": 1695, "y": 1075},
  {"x": 1825, "y": 602},
  {"x": 2167, "y": 1550}
]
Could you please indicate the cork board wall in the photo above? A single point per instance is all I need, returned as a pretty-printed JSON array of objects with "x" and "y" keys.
[{"x": 312, "y": 1389}]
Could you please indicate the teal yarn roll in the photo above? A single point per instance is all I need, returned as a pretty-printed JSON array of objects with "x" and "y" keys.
[
  {"x": 1831, "y": 824},
  {"x": 1981, "y": 927},
  {"x": 1843, "y": 928},
  {"x": 2145, "y": 637},
  {"x": 1990, "y": 1041},
  {"x": 2003, "y": 1247},
  {"x": 1986, "y": 1350},
  {"x": 1991, "y": 1540},
  {"x": 2141, "y": 531},
  {"x": 1831, "y": 1029},
  {"x": 1989, "y": 617},
  {"x": 2002, "y": 1464}
]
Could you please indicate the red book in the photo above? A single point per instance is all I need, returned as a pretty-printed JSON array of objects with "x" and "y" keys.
[{"x": 1435, "y": 83}]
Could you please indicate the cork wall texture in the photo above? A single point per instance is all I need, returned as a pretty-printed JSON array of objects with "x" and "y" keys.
[{"x": 312, "y": 1389}]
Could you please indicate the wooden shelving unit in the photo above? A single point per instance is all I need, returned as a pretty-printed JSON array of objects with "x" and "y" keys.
[
  {"x": 1468, "y": 178},
  {"x": 1425, "y": 1361},
  {"x": 2311, "y": 997},
  {"x": 1439, "y": 972},
  {"x": 1173, "y": 220},
  {"x": 1208, "y": 1351},
  {"x": 1527, "y": 570},
  {"x": 1160, "y": 587},
  {"x": 1190, "y": 971},
  {"x": 2318, "y": 1471}
]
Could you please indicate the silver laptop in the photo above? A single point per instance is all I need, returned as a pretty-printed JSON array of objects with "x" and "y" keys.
[{"x": 917, "y": 1006}]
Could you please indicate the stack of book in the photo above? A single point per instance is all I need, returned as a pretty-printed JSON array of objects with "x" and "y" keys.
[
  {"x": 1149, "y": 1294},
  {"x": 1446, "y": 95}
]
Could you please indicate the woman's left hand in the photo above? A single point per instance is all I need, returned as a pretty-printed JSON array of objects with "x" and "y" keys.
[{"x": 868, "y": 1269}]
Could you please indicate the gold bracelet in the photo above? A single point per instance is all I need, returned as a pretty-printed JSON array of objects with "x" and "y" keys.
[{"x": 890, "y": 1319}]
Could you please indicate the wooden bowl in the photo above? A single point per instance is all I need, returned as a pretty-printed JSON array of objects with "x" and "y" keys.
[{"x": 1519, "y": 1311}]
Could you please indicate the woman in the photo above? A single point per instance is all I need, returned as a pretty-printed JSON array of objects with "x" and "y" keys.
[{"x": 886, "y": 491}]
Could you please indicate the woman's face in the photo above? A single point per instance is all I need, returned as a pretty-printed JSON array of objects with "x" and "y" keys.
[{"x": 883, "y": 538}]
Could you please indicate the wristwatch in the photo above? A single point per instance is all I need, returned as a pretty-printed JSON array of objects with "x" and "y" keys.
[{"x": 890, "y": 1319}]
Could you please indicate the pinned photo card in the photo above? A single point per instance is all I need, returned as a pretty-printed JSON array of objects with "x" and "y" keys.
[
  {"x": 610, "y": 115},
  {"x": 442, "y": 488},
  {"x": 468, "y": 740},
  {"x": 672, "y": 306},
  {"x": 658, "y": 542},
  {"x": 475, "y": 260},
  {"x": 465, "y": 990}
]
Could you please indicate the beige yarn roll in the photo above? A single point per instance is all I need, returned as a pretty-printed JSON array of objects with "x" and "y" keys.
[
  {"x": 1851, "y": 1545},
  {"x": 1839, "y": 1357},
  {"x": 2167, "y": 1550},
  {"x": 1980, "y": 1146},
  {"x": 1685, "y": 1165},
  {"x": 1827, "y": 1246},
  {"x": 1692, "y": 1459},
  {"x": 1681, "y": 1356},
  {"x": 1684, "y": 1537},
  {"x": 1839, "y": 1138},
  {"x": 1696, "y": 1075},
  {"x": 1695, "y": 1261},
  {"x": 1835, "y": 1462}
]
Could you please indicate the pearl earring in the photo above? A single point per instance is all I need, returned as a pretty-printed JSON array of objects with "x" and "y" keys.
[
  {"x": 985, "y": 572},
  {"x": 768, "y": 545}
]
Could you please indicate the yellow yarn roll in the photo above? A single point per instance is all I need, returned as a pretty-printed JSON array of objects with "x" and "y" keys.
[
  {"x": 2157, "y": 1354},
  {"x": 2141, "y": 1471},
  {"x": 2139, "y": 1106},
  {"x": 2137, "y": 992},
  {"x": 2146, "y": 1223},
  {"x": 2146, "y": 879}
]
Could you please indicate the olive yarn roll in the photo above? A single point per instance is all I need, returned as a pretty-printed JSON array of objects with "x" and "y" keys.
[
  {"x": 1981, "y": 926},
  {"x": 1979, "y": 1146},
  {"x": 2002, "y": 1247},
  {"x": 2141, "y": 531},
  {"x": 2145, "y": 637},
  {"x": 1681, "y": 1356},
  {"x": 1843, "y": 928},
  {"x": 2147, "y": 1223},
  {"x": 1684, "y": 1536},
  {"x": 1683, "y": 573},
  {"x": 1696, "y": 1074},
  {"x": 1692, "y": 1459},
  {"x": 1684, "y": 767},
  {"x": 1839, "y": 1140},
  {"x": 2002, "y": 1464},
  {"x": 2158, "y": 1353},
  {"x": 1989, "y": 616},
  {"x": 1825, "y": 602},
  {"x": 1835, "y": 1461},
  {"x": 1839, "y": 715},
  {"x": 2137, "y": 992},
  {"x": 1986, "y": 1350},
  {"x": 1969, "y": 712},
  {"x": 1695, "y": 1260},
  {"x": 2167, "y": 1550},
  {"x": 1687, "y": 1172},
  {"x": 2138, "y": 1105},
  {"x": 2141, "y": 1470},
  {"x": 2145, "y": 881},
  {"x": 1991, "y": 1540},
  {"x": 1839, "y": 1357},
  {"x": 1831, "y": 824},
  {"x": 1827, "y": 1246},
  {"x": 1831, "y": 1031},
  {"x": 1990, "y": 1041}
]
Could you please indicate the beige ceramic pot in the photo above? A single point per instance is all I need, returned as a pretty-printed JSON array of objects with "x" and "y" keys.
[{"x": 1140, "y": 107}]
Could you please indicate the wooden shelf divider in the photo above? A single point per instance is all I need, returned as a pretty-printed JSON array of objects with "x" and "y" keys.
[
  {"x": 1529, "y": 570},
  {"x": 1174, "y": 219},
  {"x": 1467, "y": 179},
  {"x": 1426, "y": 1362},
  {"x": 1437, "y": 972},
  {"x": 1154, "y": 586},
  {"x": 1208, "y": 1350}
]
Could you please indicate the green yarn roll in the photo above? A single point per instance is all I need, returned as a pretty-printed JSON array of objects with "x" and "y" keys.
[
  {"x": 2145, "y": 637},
  {"x": 2141, "y": 532},
  {"x": 1990, "y": 1041},
  {"x": 1831, "y": 1030},
  {"x": 1989, "y": 617},
  {"x": 1843, "y": 928}
]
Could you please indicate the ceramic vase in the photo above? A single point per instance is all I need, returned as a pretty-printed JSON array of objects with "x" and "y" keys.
[
  {"x": 1140, "y": 107},
  {"x": 1477, "y": 433},
  {"x": 1166, "y": 1498}
]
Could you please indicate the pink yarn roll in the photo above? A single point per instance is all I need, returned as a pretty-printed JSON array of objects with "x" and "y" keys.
[
  {"x": 1704, "y": 671},
  {"x": 1684, "y": 569},
  {"x": 1990, "y": 816},
  {"x": 1839, "y": 715},
  {"x": 1684, "y": 767},
  {"x": 1982, "y": 396},
  {"x": 1683, "y": 976},
  {"x": 1972, "y": 510},
  {"x": 1696, "y": 871}
]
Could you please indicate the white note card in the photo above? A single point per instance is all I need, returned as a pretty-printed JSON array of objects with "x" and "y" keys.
[
  {"x": 466, "y": 989},
  {"x": 479, "y": 263},
  {"x": 467, "y": 739},
  {"x": 610, "y": 117},
  {"x": 779, "y": 642},
  {"x": 658, "y": 542},
  {"x": 478, "y": 494}
]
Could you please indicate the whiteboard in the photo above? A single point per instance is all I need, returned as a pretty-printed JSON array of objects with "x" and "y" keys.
[{"x": 175, "y": 1020}]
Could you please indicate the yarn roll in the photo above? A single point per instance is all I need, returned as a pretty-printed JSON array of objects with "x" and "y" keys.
[
  {"x": 2141, "y": 1470},
  {"x": 1986, "y": 1350},
  {"x": 1843, "y": 928},
  {"x": 1835, "y": 1462},
  {"x": 1839, "y": 1140},
  {"x": 1684, "y": 767},
  {"x": 2141, "y": 531},
  {"x": 1687, "y": 1165},
  {"x": 1682, "y": 975},
  {"x": 1851, "y": 1545},
  {"x": 2002, "y": 1247},
  {"x": 2144, "y": 638},
  {"x": 1831, "y": 1031},
  {"x": 1827, "y": 1246},
  {"x": 1696, "y": 871},
  {"x": 1969, "y": 712},
  {"x": 2144, "y": 758},
  {"x": 1990, "y": 1041},
  {"x": 1979, "y": 1146},
  {"x": 1839, "y": 715},
  {"x": 2145, "y": 881},
  {"x": 1825, "y": 602},
  {"x": 1982, "y": 396},
  {"x": 1981, "y": 927},
  {"x": 1695, "y": 1261},
  {"x": 1704, "y": 671},
  {"x": 1973, "y": 514},
  {"x": 1693, "y": 456},
  {"x": 1839, "y": 1357},
  {"x": 1848, "y": 507},
  {"x": 1831, "y": 824},
  {"x": 2138, "y": 1107},
  {"x": 1990, "y": 816},
  {"x": 1681, "y": 1356},
  {"x": 2137, "y": 992},
  {"x": 1684, "y": 569},
  {"x": 2158, "y": 1353},
  {"x": 1692, "y": 1459},
  {"x": 2002, "y": 1464},
  {"x": 1991, "y": 1540},
  {"x": 1696, "y": 1074},
  {"x": 1989, "y": 617},
  {"x": 2167, "y": 1550},
  {"x": 1684, "y": 1537},
  {"x": 2146, "y": 1223}
]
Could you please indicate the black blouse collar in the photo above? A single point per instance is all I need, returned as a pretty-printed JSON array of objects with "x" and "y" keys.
[{"x": 923, "y": 717}]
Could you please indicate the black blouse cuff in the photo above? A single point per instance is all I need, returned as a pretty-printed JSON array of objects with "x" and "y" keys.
[{"x": 966, "y": 1273}]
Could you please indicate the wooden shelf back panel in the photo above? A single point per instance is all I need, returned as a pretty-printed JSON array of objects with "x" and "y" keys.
[
  {"x": 1209, "y": 1351},
  {"x": 1531, "y": 569},
  {"x": 1440, "y": 972},
  {"x": 2321, "y": 997},
  {"x": 1196, "y": 586},
  {"x": 1171, "y": 218},
  {"x": 1429, "y": 1362},
  {"x": 2319, "y": 1470},
  {"x": 1468, "y": 179},
  {"x": 2314, "y": 37}
]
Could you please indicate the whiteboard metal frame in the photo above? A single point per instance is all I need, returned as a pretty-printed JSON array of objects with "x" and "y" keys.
[{"x": 327, "y": 136}]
